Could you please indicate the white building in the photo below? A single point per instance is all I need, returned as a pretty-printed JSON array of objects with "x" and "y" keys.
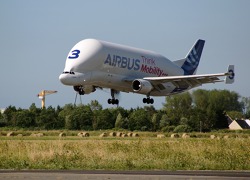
[
  {"x": 2, "y": 110},
  {"x": 248, "y": 122},
  {"x": 239, "y": 125}
]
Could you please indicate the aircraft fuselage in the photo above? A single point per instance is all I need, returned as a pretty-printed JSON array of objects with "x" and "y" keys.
[{"x": 102, "y": 64}]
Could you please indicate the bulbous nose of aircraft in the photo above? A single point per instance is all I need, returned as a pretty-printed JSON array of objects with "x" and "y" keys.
[
  {"x": 63, "y": 78},
  {"x": 66, "y": 78},
  {"x": 73, "y": 78}
]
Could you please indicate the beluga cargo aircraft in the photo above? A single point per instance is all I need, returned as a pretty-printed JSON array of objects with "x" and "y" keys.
[{"x": 93, "y": 64}]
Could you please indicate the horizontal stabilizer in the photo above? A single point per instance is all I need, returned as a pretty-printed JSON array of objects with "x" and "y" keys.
[{"x": 230, "y": 75}]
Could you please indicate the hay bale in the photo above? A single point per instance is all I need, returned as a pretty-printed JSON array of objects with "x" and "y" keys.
[
  {"x": 130, "y": 134},
  {"x": 83, "y": 134},
  {"x": 124, "y": 135},
  {"x": 135, "y": 135},
  {"x": 62, "y": 134},
  {"x": 212, "y": 136},
  {"x": 103, "y": 135},
  {"x": 33, "y": 135},
  {"x": 10, "y": 134},
  {"x": 174, "y": 135},
  {"x": 39, "y": 135},
  {"x": 118, "y": 134},
  {"x": 19, "y": 135},
  {"x": 185, "y": 135},
  {"x": 160, "y": 136},
  {"x": 226, "y": 137},
  {"x": 113, "y": 134}
]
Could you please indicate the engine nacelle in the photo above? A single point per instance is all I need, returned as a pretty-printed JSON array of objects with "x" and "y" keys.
[{"x": 142, "y": 86}]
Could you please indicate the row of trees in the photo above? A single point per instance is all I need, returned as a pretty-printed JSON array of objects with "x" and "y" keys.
[{"x": 201, "y": 109}]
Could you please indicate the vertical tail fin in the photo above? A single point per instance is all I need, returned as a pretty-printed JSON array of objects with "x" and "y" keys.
[{"x": 191, "y": 61}]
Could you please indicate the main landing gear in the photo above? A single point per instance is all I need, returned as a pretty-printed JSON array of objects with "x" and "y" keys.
[
  {"x": 148, "y": 100},
  {"x": 113, "y": 100}
]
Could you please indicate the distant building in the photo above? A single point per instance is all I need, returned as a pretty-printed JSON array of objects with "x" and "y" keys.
[
  {"x": 239, "y": 125},
  {"x": 229, "y": 120},
  {"x": 248, "y": 122},
  {"x": 2, "y": 110}
]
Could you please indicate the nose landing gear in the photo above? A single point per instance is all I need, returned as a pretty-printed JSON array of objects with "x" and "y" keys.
[{"x": 79, "y": 89}]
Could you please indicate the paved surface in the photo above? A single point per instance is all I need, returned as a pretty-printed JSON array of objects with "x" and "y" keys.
[{"x": 120, "y": 175}]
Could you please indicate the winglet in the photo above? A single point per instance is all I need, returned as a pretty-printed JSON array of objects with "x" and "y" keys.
[{"x": 230, "y": 75}]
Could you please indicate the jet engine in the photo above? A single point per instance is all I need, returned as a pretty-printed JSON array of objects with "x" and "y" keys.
[{"x": 142, "y": 86}]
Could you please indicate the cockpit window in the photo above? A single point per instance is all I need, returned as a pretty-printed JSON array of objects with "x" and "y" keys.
[{"x": 67, "y": 72}]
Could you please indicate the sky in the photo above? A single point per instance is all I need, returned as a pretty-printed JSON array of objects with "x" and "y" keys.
[{"x": 36, "y": 37}]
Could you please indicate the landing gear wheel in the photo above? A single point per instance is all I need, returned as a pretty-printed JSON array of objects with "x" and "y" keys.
[
  {"x": 81, "y": 92},
  {"x": 113, "y": 101},
  {"x": 148, "y": 100}
]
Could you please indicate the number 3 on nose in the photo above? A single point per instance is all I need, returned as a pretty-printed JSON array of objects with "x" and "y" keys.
[{"x": 74, "y": 54}]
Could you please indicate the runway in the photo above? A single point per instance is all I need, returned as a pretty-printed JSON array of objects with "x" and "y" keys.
[{"x": 120, "y": 175}]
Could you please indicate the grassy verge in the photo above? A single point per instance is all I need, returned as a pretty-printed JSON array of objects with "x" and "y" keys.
[{"x": 125, "y": 154}]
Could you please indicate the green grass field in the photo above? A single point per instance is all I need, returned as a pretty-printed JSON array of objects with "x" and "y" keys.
[{"x": 115, "y": 153}]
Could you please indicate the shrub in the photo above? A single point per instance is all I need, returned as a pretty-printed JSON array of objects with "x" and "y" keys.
[
  {"x": 168, "y": 128},
  {"x": 182, "y": 128}
]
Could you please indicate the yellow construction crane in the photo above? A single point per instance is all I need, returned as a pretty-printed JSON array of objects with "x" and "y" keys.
[{"x": 44, "y": 93}]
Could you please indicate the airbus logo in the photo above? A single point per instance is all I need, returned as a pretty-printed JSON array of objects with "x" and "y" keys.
[
  {"x": 147, "y": 66},
  {"x": 123, "y": 62}
]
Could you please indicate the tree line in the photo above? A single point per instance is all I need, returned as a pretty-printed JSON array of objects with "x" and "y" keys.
[{"x": 201, "y": 110}]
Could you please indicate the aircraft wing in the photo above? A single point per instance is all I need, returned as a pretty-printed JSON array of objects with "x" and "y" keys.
[{"x": 194, "y": 80}]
